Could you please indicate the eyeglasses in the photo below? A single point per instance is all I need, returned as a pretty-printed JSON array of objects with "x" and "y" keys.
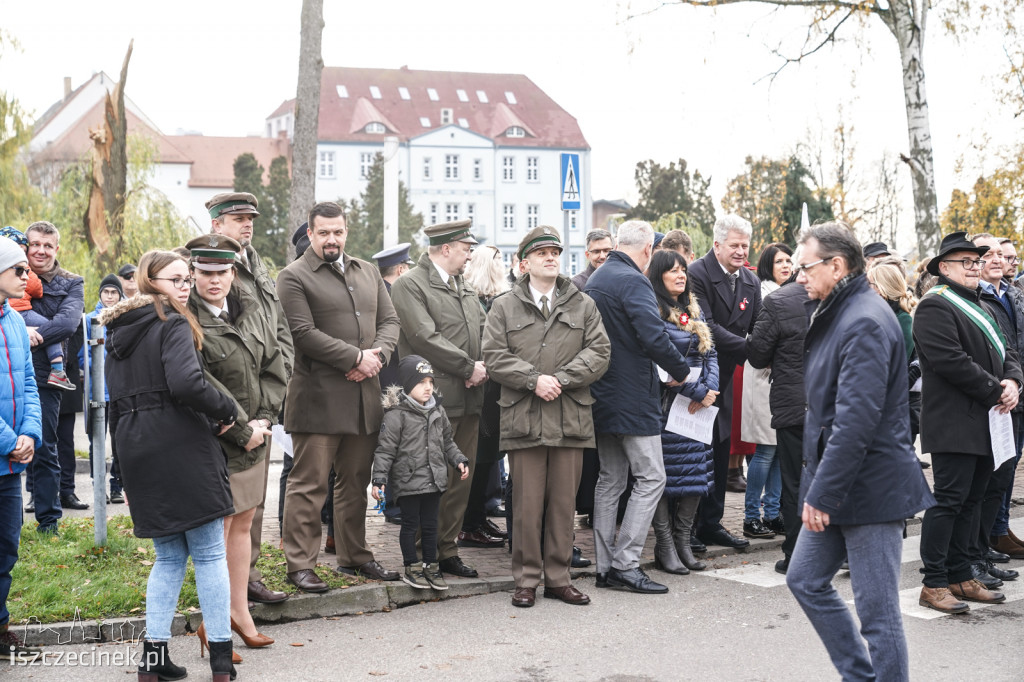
[
  {"x": 804, "y": 268},
  {"x": 178, "y": 282},
  {"x": 968, "y": 263},
  {"x": 19, "y": 270},
  {"x": 1012, "y": 260}
]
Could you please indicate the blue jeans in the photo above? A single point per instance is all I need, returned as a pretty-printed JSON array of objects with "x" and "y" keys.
[
  {"x": 874, "y": 554},
  {"x": 45, "y": 467},
  {"x": 763, "y": 474},
  {"x": 206, "y": 546},
  {"x": 10, "y": 534}
]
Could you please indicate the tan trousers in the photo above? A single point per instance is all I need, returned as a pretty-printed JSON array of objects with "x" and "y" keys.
[
  {"x": 466, "y": 431},
  {"x": 256, "y": 531},
  {"x": 544, "y": 483},
  {"x": 352, "y": 458}
]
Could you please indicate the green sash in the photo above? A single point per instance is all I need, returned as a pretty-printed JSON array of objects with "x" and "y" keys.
[{"x": 975, "y": 314}]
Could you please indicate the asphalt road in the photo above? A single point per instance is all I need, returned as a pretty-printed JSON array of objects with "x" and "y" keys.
[{"x": 736, "y": 623}]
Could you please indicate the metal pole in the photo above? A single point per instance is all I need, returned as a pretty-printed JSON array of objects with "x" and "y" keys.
[{"x": 95, "y": 391}]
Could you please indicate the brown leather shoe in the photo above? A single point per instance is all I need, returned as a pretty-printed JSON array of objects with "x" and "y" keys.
[
  {"x": 1013, "y": 538},
  {"x": 479, "y": 538},
  {"x": 260, "y": 593},
  {"x": 329, "y": 546},
  {"x": 1006, "y": 545},
  {"x": 524, "y": 596},
  {"x": 568, "y": 594},
  {"x": 972, "y": 590},
  {"x": 371, "y": 569},
  {"x": 494, "y": 530},
  {"x": 307, "y": 581},
  {"x": 940, "y": 599}
]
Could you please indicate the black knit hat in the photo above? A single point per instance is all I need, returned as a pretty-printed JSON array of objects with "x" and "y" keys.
[
  {"x": 111, "y": 281},
  {"x": 411, "y": 370}
]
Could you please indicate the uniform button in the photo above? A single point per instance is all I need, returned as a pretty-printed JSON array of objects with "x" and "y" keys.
[
  {"x": 357, "y": 313},
  {"x": 361, "y": 340},
  {"x": 543, "y": 345},
  {"x": 351, "y": 288}
]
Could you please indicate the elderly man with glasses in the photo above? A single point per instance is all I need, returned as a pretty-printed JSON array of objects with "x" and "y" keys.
[{"x": 967, "y": 369}]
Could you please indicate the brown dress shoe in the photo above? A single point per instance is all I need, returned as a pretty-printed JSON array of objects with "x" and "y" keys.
[
  {"x": 307, "y": 581},
  {"x": 494, "y": 530},
  {"x": 972, "y": 590},
  {"x": 1016, "y": 540},
  {"x": 1006, "y": 545},
  {"x": 940, "y": 599},
  {"x": 568, "y": 594},
  {"x": 260, "y": 593},
  {"x": 524, "y": 596},
  {"x": 371, "y": 569},
  {"x": 479, "y": 538}
]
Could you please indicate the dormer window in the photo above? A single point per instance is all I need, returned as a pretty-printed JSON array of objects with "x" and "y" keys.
[
  {"x": 515, "y": 131},
  {"x": 446, "y": 116},
  {"x": 375, "y": 128}
]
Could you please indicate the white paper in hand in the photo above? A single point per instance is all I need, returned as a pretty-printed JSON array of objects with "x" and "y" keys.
[
  {"x": 692, "y": 377},
  {"x": 698, "y": 426},
  {"x": 1000, "y": 427}
]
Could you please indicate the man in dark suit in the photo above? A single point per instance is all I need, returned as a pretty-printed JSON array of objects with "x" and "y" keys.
[{"x": 730, "y": 296}]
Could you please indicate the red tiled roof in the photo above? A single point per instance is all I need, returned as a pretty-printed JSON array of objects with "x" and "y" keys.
[
  {"x": 213, "y": 158},
  {"x": 366, "y": 113},
  {"x": 546, "y": 123}
]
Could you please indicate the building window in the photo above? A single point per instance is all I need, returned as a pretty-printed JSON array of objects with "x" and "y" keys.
[
  {"x": 375, "y": 92},
  {"x": 508, "y": 217},
  {"x": 532, "y": 163},
  {"x": 574, "y": 264},
  {"x": 326, "y": 165},
  {"x": 342, "y": 91},
  {"x": 403, "y": 92},
  {"x": 426, "y": 168},
  {"x": 532, "y": 216},
  {"x": 375, "y": 128},
  {"x": 451, "y": 166},
  {"x": 451, "y": 213},
  {"x": 573, "y": 223},
  {"x": 515, "y": 131},
  {"x": 478, "y": 170},
  {"x": 433, "y": 214},
  {"x": 463, "y": 122},
  {"x": 425, "y": 121},
  {"x": 463, "y": 97},
  {"x": 432, "y": 94},
  {"x": 482, "y": 96},
  {"x": 510, "y": 97},
  {"x": 365, "y": 163},
  {"x": 508, "y": 168},
  {"x": 471, "y": 211},
  {"x": 270, "y": 130},
  {"x": 446, "y": 116}
]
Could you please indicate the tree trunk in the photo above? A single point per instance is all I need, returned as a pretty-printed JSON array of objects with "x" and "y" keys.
[
  {"x": 307, "y": 114},
  {"x": 908, "y": 28}
]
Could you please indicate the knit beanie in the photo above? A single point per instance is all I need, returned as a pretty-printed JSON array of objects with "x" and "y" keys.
[
  {"x": 411, "y": 370},
  {"x": 11, "y": 254},
  {"x": 112, "y": 281}
]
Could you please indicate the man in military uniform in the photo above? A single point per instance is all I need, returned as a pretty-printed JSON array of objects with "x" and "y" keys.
[
  {"x": 442, "y": 320},
  {"x": 232, "y": 215}
]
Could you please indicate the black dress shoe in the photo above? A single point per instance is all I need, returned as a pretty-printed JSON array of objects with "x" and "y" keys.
[
  {"x": 776, "y": 525},
  {"x": 720, "y": 536},
  {"x": 307, "y": 581},
  {"x": 498, "y": 511},
  {"x": 1002, "y": 574},
  {"x": 478, "y": 538},
  {"x": 261, "y": 594},
  {"x": 116, "y": 497},
  {"x": 982, "y": 576},
  {"x": 634, "y": 580},
  {"x": 601, "y": 580},
  {"x": 757, "y": 529},
  {"x": 494, "y": 530},
  {"x": 578, "y": 561},
  {"x": 371, "y": 569},
  {"x": 397, "y": 520},
  {"x": 696, "y": 546},
  {"x": 782, "y": 565},
  {"x": 71, "y": 501},
  {"x": 453, "y": 566},
  {"x": 30, "y": 508},
  {"x": 997, "y": 557}
]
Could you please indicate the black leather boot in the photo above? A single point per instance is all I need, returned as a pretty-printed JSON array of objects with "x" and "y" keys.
[
  {"x": 156, "y": 663},
  {"x": 220, "y": 661},
  {"x": 682, "y": 527},
  {"x": 665, "y": 556}
]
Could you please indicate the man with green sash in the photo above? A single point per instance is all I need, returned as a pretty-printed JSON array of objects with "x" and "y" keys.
[{"x": 966, "y": 371}]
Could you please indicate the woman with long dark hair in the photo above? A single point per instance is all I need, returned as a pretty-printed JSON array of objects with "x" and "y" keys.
[
  {"x": 172, "y": 466},
  {"x": 689, "y": 464}
]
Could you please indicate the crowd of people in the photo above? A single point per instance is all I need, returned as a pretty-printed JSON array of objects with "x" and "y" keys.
[{"x": 820, "y": 365}]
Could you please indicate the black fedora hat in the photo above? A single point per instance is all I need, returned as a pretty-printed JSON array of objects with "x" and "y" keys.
[{"x": 954, "y": 241}]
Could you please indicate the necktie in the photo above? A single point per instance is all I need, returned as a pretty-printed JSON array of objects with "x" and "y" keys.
[
  {"x": 453, "y": 284},
  {"x": 224, "y": 316},
  {"x": 544, "y": 310},
  {"x": 732, "y": 281}
]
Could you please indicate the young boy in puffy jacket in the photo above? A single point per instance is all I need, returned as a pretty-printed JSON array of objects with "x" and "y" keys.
[{"x": 414, "y": 450}]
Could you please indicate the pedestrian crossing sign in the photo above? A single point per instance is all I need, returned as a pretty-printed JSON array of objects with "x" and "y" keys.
[{"x": 572, "y": 193}]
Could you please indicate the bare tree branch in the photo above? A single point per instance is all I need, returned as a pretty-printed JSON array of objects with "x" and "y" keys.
[{"x": 829, "y": 38}]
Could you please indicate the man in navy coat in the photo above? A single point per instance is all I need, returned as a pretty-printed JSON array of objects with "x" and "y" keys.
[
  {"x": 730, "y": 296},
  {"x": 861, "y": 478}
]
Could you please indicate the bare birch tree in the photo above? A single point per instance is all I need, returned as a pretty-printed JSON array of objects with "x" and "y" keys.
[{"x": 307, "y": 113}]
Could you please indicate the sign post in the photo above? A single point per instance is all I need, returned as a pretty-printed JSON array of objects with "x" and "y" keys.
[{"x": 571, "y": 194}]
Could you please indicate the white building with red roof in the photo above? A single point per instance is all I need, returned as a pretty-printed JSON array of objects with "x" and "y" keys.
[{"x": 471, "y": 145}]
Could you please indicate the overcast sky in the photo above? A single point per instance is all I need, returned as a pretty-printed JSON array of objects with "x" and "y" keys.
[{"x": 682, "y": 82}]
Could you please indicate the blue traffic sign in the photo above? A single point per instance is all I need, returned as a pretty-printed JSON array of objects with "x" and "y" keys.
[{"x": 571, "y": 193}]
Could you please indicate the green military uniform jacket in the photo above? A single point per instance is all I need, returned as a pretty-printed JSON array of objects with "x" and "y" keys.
[
  {"x": 253, "y": 275},
  {"x": 571, "y": 345},
  {"x": 244, "y": 361},
  {"x": 445, "y": 327}
]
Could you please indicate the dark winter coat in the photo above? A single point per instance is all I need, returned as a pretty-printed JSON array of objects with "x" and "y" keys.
[
  {"x": 1009, "y": 321},
  {"x": 415, "y": 448},
  {"x": 859, "y": 463},
  {"x": 960, "y": 374},
  {"x": 628, "y": 396},
  {"x": 777, "y": 341},
  {"x": 62, "y": 303},
  {"x": 173, "y": 468},
  {"x": 689, "y": 464}
]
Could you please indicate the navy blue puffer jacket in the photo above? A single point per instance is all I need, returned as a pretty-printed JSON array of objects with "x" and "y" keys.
[{"x": 689, "y": 467}]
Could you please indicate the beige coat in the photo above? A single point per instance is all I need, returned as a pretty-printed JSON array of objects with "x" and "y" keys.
[
  {"x": 571, "y": 345},
  {"x": 756, "y": 426},
  {"x": 444, "y": 327},
  {"x": 332, "y": 316}
]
